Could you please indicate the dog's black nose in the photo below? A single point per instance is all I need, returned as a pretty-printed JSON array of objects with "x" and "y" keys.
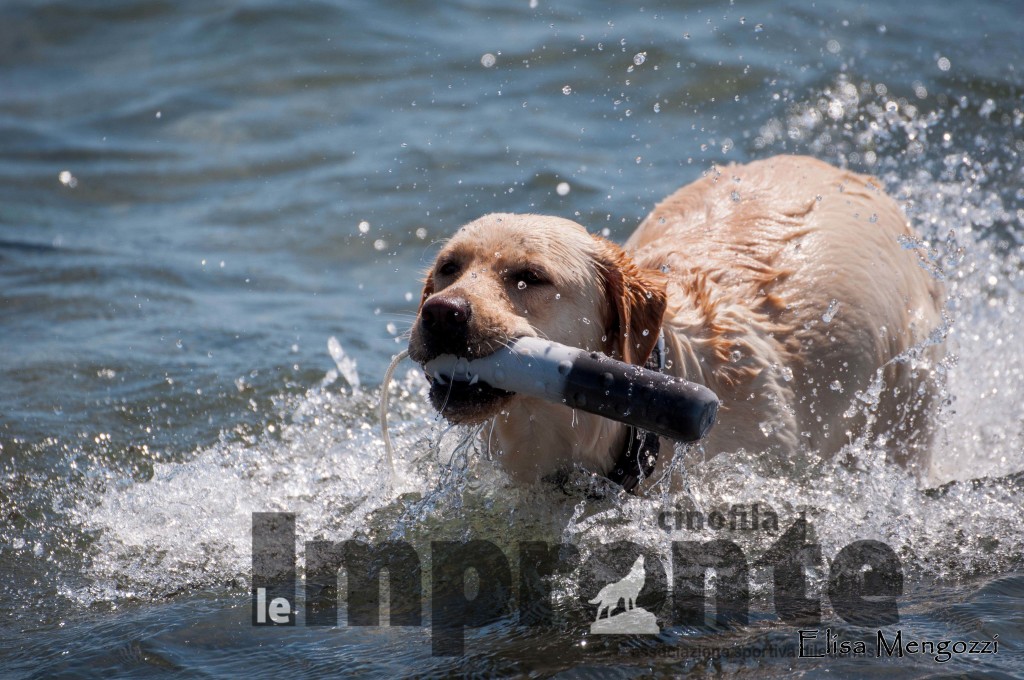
[{"x": 446, "y": 318}]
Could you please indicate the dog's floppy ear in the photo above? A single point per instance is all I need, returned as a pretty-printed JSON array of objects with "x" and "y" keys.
[{"x": 637, "y": 299}]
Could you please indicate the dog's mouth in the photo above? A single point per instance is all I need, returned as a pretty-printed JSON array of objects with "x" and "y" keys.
[{"x": 462, "y": 397}]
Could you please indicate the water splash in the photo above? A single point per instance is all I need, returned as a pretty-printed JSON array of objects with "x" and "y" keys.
[
  {"x": 188, "y": 525},
  {"x": 346, "y": 365}
]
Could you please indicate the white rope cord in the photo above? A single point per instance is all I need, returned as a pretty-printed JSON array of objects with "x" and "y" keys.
[{"x": 384, "y": 408}]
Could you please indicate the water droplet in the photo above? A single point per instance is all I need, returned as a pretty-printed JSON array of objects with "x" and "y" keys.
[
  {"x": 657, "y": 107},
  {"x": 488, "y": 60},
  {"x": 787, "y": 373},
  {"x": 391, "y": 328},
  {"x": 639, "y": 58},
  {"x": 585, "y": 320},
  {"x": 558, "y": 296},
  {"x": 735, "y": 196},
  {"x": 364, "y": 227},
  {"x": 830, "y": 313},
  {"x": 944, "y": 64},
  {"x": 521, "y": 285},
  {"x": 873, "y": 218},
  {"x": 836, "y": 386},
  {"x": 646, "y": 333},
  {"x": 563, "y": 188},
  {"x": 758, "y": 28},
  {"x": 67, "y": 179},
  {"x": 566, "y": 90}
]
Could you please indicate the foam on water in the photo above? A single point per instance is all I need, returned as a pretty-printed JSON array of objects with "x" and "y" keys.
[{"x": 188, "y": 526}]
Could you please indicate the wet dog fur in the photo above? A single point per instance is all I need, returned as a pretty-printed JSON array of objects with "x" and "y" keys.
[{"x": 785, "y": 285}]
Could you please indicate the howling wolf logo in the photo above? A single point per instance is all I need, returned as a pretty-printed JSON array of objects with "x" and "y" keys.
[
  {"x": 632, "y": 619},
  {"x": 625, "y": 591}
]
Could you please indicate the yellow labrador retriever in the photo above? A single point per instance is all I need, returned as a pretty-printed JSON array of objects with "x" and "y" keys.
[{"x": 784, "y": 285}]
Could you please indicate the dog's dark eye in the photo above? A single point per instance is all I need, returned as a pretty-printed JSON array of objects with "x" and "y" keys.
[
  {"x": 448, "y": 269},
  {"x": 530, "y": 277}
]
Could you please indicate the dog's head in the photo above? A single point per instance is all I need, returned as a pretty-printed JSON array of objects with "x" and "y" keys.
[{"x": 503, "y": 277}]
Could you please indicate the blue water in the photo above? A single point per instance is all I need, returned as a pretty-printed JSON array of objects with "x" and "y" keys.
[{"x": 196, "y": 197}]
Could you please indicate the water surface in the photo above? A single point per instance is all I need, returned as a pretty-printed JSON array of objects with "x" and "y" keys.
[{"x": 196, "y": 197}]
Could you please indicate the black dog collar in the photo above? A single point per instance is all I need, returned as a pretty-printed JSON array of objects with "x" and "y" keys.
[{"x": 642, "y": 446}]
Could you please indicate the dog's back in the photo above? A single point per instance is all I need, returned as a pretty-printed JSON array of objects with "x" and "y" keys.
[{"x": 809, "y": 273}]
